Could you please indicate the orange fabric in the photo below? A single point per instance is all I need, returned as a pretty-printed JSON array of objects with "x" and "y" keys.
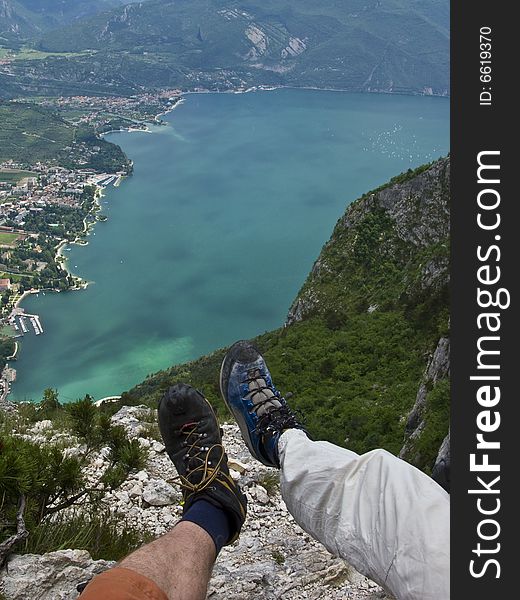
[{"x": 122, "y": 584}]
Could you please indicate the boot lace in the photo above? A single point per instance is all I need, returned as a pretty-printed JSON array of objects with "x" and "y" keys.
[
  {"x": 276, "y": 416},
  {"x": 204, "y": 472},
  {"x": 261, "y": 394}
]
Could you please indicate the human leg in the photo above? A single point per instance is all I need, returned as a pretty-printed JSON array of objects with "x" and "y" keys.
[
  {"x": 178, "y": 565},
  {"x": 381, "y": 514},
  {"x": 387, "y": 518}
]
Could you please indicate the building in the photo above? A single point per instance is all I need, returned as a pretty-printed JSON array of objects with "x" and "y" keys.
[{"x": 5, "y": 284}]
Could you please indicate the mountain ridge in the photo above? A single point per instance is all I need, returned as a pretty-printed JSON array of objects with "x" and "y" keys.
[
  {"x": 29, "y": 17},
  {"x": 399, "y": 46}
]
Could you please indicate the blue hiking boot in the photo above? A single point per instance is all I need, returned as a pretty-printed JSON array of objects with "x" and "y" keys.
[{"x": 258, "y": 407}]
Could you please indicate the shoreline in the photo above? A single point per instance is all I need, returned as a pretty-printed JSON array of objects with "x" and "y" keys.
[
  {"x": 23, "y": 296},
  {"x": 312, "y": 88},
  {"x": 80, "y": 240},
  {"x": 146, "y": 129}
]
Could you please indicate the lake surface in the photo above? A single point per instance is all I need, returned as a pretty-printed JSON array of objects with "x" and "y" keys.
[{"x": 212, "y": 237}]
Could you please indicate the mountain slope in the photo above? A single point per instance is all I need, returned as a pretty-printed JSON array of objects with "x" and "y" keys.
[
  {"x": 31, "y": 133},
  {"x": 361, "y": 45},
  {"x": 364, "y": 325},
  {"x": 22, "y": 18}
]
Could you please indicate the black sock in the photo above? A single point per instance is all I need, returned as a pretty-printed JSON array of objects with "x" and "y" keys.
[{"x": 212, "y": 519}]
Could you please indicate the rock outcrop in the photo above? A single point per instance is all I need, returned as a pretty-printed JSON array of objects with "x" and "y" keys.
[
  {"x": 441, "y": 471},
  {"x": 52, "y": 576},
  {"x": 438, "y": 368},
  {"x": 417, "y": 210},
  {"x": 273, "y": 558}
]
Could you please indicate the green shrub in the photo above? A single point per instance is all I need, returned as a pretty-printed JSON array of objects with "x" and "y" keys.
[
  {"x": 83, "y": 414},
  {"x": 151, "y": 430},
  {"x": 50, "y": 482},
  {"x": 116, "y": 439},
  {"x": 27, "y": 412},
  {"x": 101, "y": 431},
  {"x": 335, "y": 319},
  {"x": 50, "y": 404},
  {"x": 102, "y": 534},
  {"x": 278, "y": 557},
  {"x": 113, "y": 477},
  {"x": 127, "y": 454},
  {"x": 43, "y": 475},
  {"x": 270, "y": 481},
  {"x": 132, "y": 456}
]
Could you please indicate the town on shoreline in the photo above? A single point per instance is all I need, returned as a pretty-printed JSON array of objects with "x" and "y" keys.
[{"x": 45, "y": 206}]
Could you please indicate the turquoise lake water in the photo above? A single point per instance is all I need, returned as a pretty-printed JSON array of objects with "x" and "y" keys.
[{"x": 212, "y": 237}]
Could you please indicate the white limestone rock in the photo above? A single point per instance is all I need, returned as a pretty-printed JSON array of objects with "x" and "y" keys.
[
  {"x": 52, "y": 576},
  {"x": 40, "y": 426},
  {"x": 159, "y": 493},
  {"x": 273, "y": 558},
  {"x": 158, "y": 447},
  {"x": 142, "y": 476}
]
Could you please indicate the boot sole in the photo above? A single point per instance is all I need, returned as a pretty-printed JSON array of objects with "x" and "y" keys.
[{"x": 238, "y": 416}]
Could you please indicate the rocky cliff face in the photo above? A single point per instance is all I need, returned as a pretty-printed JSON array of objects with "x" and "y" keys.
[
  {"x": 11, "y": 24},
  {"x": 438, "y": 369},
  {"x": 273, "y": 558},
  {"x": 414, "y": 234},
  {"x": 30, "y": 17}
]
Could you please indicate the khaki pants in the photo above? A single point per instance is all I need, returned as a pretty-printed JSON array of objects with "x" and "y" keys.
[
  {"x": 385, "y": 517},
  {"x": 122, "y": 584}
]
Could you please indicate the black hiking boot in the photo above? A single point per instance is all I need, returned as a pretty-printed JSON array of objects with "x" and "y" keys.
[{"x": 192, "y": 437}]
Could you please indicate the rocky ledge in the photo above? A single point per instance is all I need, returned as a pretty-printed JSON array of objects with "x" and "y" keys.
[{"x": 273, "y": 558}]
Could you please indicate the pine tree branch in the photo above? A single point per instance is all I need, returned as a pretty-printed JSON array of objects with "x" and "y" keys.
[
  {"x": 20, "y": 535},
  {"x": 69, "y": 502}
]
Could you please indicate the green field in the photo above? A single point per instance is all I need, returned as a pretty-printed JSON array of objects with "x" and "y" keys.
[
  {"x": 8, "y": 239},
  {"x": 15, "y": 277},
  {"x": 14, "y": 175},
  {"x": 32, "y": 54}
]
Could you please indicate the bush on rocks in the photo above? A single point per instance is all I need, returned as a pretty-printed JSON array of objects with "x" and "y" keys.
[
  {"x": 42, "y": 482},
  {"x": 102, "y": 534}
]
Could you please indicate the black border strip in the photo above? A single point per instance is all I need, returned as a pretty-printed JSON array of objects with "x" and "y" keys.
[{"x": 478, "y": 127}]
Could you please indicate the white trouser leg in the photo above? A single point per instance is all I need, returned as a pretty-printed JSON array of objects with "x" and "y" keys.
[{"x": 385, "y": 517}]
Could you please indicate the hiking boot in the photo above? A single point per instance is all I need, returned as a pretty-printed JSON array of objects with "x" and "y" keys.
[
  {"x": 258, "y": 407},
  {"x": 193, "y": 441}
]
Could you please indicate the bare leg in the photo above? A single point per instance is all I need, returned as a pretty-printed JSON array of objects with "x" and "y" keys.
[{"x": 179, "y": 562}]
